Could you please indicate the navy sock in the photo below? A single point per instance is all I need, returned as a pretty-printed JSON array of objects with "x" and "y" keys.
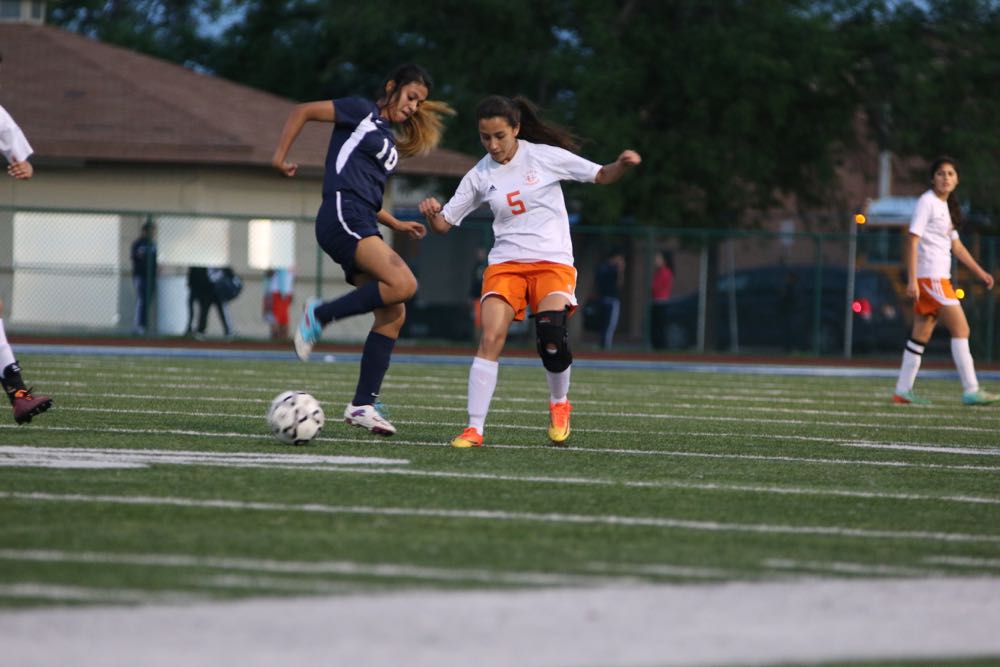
[
  {"x": 10, "y": 378},
  {"x": 374, "y": 364},
  {"x": 364, "y": 299}
]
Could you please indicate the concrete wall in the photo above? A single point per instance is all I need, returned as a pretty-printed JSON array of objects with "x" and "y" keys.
[{"x": 234, "y": 194}]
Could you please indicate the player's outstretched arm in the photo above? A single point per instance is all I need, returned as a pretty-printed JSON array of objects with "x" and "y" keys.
[
  {"x": 414, "y": 230},
  {"x": 430, "y": 208},
  {"x": 297, "y": 118},
  {"x": 610, "y": 173},
  {"x": 963, "y": 255}
]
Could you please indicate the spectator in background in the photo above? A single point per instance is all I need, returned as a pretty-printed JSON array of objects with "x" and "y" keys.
[
  {"x": 143, "y": 276},
  {"x": 660, "y": 289},
  {"x": 608, "y": 282},
  {"x": 789, "y": 305},
  {"x": 210, "y": 287},
  {"x": 278, "y": 295},
  {"x": 198, "y": 289}
]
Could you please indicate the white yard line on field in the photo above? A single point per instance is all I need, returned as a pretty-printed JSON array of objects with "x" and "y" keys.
[
  {"x": 666, "y": 523},
  {"x": 694, "y": 625},
  {"x": 313, "y": 568},
  {"x": 839, "y": 567},
  {"x": 55, "y": 455},
  {"x": 963, "y": 561},
  {"x": 67, "y": 457},
  {"x": 921, "y": 428},
  {"x": 559, "y": 451},
  {"x": 45, "y": 591}
]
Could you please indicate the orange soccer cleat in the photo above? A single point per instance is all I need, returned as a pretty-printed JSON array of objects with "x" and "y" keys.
[
  {"x": 559, "y": 422},
  {"x": 470, "y": 437}
]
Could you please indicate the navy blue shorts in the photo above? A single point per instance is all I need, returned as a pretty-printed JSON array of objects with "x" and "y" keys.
[{"x": 340, "y": 224}]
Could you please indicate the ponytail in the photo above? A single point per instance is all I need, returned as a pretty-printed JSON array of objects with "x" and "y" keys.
[
  {"x": 422, "y": 131},
  {"x": 522, "y": 111}
]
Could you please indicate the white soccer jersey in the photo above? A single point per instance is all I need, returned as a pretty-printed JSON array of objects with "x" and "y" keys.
[
  {"x": 932, "y": 223},
  {"x": 13, "y": 144},
  {"x": 530, "y": 223}
]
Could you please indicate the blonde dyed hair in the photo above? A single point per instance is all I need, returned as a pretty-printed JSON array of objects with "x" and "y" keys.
[{"x": 422, "y": 131}]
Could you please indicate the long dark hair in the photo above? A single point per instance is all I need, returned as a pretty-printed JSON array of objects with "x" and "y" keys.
[
  {"x": 953, "y": 206},
  {"x": 522, "y": 111},
  {"x": 422, "y": 131}
]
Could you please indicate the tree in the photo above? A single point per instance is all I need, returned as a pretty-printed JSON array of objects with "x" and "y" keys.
[
  {"x": 733, "y": 103},
  {"x": 923, "y": 76},
  {"x": 169, "y": 29}
]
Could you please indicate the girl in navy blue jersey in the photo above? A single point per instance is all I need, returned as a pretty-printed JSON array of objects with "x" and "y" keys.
[{"x": 367, "y": 141}]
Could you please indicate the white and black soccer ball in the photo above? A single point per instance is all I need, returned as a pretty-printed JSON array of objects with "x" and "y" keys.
[{"x": 295, "y": 417}]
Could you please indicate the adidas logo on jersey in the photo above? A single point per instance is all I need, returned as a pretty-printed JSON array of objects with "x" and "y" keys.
[{"x": 493, "y": 188}]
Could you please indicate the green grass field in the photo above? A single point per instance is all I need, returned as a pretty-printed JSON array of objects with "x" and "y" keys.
[{"x": 155, "y": 481}]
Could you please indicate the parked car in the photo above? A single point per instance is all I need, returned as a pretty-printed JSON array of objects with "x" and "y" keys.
[{"x": 775, "y": 307}]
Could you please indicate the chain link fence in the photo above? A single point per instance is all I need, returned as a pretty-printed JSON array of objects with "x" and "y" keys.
[{"x": 741, "y": 292}]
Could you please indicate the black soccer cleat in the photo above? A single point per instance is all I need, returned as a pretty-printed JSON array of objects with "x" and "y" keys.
[{"x": 27, "y": 405}]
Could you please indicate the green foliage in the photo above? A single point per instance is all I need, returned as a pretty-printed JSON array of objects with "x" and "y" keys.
[
  {"x": 732, "y": 104},
  {"x": 168, "y": 29}
]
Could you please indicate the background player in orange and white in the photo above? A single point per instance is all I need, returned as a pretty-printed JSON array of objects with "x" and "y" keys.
[
  {"x": 531, "y": 262},
  {"x": 932, "y": 241}
]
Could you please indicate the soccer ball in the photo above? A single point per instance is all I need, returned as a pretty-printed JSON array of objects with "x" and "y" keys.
[{"x": 295, "y": 417}]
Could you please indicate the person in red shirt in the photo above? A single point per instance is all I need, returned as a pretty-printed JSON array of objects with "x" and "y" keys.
[{"x": 662, "y": 286}]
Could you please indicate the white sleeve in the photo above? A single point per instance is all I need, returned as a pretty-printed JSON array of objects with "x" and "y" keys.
[
  {"x": 921, "y": 216},
  {"x": 13, "y": 144},
  {"x": 466, "y": 199},
  {"x": 568, "y": 166}
]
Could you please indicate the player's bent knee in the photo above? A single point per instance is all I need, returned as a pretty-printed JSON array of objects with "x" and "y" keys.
[
  {"x": 552, "y": 340},
  {"x": 406, "y": 287}
]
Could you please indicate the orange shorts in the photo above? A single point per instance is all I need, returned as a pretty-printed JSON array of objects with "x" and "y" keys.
[
  {"x": 524, "y": 284},
  {"x": 934, "y": 293}
]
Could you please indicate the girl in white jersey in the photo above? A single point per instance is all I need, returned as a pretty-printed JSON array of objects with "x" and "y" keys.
[
  {"x": 929, "y": 248},
  {"x": 16, "y": 150},
  {"x": 531, "y": 263},
  {"x": 14, "y": 146}
]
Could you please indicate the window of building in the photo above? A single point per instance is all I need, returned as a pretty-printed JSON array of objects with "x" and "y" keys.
[{"x": 10, "y": 9}]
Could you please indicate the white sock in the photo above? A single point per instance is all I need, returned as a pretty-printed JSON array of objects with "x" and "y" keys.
[
  {"x": 911, "y": 364},
  {"x": 482, "y": 382},
  {"x": 558, "y": 385},
  {"x": 963, "y": 362},
  {"x": 6, "y": 353}
]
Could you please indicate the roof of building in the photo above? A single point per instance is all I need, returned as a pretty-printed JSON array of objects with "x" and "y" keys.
[{"x": 79, "y": 99}]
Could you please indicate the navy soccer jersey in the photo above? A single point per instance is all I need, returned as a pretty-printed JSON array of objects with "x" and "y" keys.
[{"x": 362, "y": 152}]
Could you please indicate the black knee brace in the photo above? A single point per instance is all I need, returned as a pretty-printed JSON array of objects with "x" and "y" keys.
[{"x": 550, "y": 330}]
